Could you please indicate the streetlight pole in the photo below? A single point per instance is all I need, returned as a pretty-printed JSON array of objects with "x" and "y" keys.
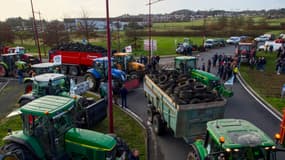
[
  {"x": 149, "y": 29},
  {"x": 110, "y": 107},
  {"x": 36, "y": 36}
]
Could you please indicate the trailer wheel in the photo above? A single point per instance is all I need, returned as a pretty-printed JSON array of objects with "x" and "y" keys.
[
  {"x": 64, "y": 69},
  {"x": 91, "y": 81},
  {"x": 3, "y": 71},
  {"x": 149, "y": 114},
  {"x": 158, "y": 125},
  {"x": 193, "y": 155},
  {"x": 74, "y": 70},
  {"x": 18, "y": 151}
]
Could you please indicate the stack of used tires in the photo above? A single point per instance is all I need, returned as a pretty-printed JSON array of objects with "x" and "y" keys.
[
  {"x": 79, "y": 47},
  {"x": 184, "y": 89}
]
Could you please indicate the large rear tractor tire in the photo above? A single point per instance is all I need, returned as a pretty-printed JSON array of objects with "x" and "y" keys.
[
  {"x": 3, "y": 71},
  {"x": 193, "y": 155},
  {"x": 158, "y": 125},
  {"x": 74, "y": 70},
  {"x": 91, "y": 81},
  {"x": 19, "y": 152}
]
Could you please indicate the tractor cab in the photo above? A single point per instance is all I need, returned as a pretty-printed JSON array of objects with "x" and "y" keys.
[
  {"x": 245, "y": 51},
  {"x": 26, "y": 57},
  {"x": 101, "y": 65},
  {"x": 41, "y": 68},
  {"x": 185, "y": 64},
  {"x": 127, "y": 62},
  {"x": 9, "y": 63},
  {"x": 235, "y": 139},
  {"x": 50, "y": 84},
  {"x": 49, "y": 133}
]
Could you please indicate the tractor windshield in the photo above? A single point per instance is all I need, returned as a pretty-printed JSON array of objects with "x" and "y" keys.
[{"x": 255, "y": 153}]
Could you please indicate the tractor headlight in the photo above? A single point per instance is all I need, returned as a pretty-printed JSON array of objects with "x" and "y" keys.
[
  {"x": 273, "y": 147},
  {"x": 236, "y": 150},
  {"x": 228, "y": 150},
  {"x": 267, "y": 148}
]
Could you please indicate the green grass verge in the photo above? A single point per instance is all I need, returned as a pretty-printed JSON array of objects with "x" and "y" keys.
[
  {"x": 267, "y": 84},
  {"x": 124, "y": 126}
]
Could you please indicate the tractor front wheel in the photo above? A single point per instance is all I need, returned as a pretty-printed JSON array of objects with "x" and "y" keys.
[
  {"x": 91, "y": 81},
  {"x": 19, "y": 152},
  {"x": 3, "y": 71},
  {"x": 193, "y": 155}
]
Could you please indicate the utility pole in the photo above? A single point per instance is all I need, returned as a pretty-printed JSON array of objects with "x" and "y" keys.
[
  {"x": 149, "y": 28},
  {"x": 36, "y": 36},
  {"x": 110, "y": 105},
  {"x": 42, "y": 31}
]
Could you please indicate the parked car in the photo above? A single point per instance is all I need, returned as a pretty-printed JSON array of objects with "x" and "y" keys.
[
  {"x": 233, "y": 40},
  {"x": 210, "y": 43},
  {"x": 275, "y": 45},
  {"x": 221, "y": 42},
  {"x": 261, "y": 38},
  {"x": 279, "y": 40}
]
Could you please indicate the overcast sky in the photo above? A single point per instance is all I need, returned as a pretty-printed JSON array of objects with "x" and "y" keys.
[{"x": 59, "y": 9}]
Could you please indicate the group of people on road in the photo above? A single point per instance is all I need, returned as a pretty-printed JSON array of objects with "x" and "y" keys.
[
  {"x": 280, "y": 61},
  {"x": 226, "y": 66}
]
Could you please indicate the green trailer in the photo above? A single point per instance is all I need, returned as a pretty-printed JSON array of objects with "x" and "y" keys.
[{"x": 185, "y": 121}]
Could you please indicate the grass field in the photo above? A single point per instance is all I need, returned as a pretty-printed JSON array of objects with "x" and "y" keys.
[{"x": 267, "y": 84}]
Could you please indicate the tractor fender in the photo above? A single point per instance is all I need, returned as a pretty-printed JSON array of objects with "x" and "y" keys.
[
  {"x": 200, "y": 148},
  {"x": 119, "y": 74},
  {"x": 28, "y": 142},
  {"x": 28, "y": 79},
  {"x": 28, "y": 96},
  {"x": 4, "y": 64},
  {"x": 95, "y": 73}
]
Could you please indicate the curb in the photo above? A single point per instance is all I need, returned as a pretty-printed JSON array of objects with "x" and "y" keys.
[
  {"x": 138, "y": 120},
  {"x": 259, "y": 99},
  {"x": 1, "y": 89}
]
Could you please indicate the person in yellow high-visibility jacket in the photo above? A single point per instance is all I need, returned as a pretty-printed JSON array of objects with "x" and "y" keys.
[{"x": 235, "y": 71}]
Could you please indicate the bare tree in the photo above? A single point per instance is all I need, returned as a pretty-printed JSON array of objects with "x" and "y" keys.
[
  {"x": 6, "y": 33},
  {"x": 55, "y": 33},
  {"x": 86, "y": 27}
]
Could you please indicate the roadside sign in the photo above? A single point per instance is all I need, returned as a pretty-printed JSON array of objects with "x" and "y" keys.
[
  {"x": 153, "y": 46},
  {"x": 128, "y": 49},
  {"x": 57, "y": 60}
]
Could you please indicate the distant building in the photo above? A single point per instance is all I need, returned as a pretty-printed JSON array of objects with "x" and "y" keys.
[{"x": 98, "y": 24}]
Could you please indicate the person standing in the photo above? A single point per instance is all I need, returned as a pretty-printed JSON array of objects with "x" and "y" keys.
[
  {"x": 134, "y": 155},
  {"x": 124, "y": 93},
  {"x": 203, "y": 67},
  {"x": 209, "y": 66},
  {"x": 20, "y": 71},
  {"x": 235, "y": 71}
]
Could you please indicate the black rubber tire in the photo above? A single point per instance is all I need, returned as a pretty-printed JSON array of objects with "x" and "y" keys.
[
  {"x": 199, "y": 88},
  {"x": 18, "y": 151},
  {"x": 74, "y": 70},
  {"x": 162, "y": 79},
  {"x": 92, "y": 81},
  {"x": 195, "y": 101},
  {"x": 64, "y": 69},
  {"x": 3, "y": 71},
  {"x": 158, "y": 125},
  {"x": 150, "y": 114},
  {"x": 193, "y": 155},
  {"x": 24, "y": 101}
]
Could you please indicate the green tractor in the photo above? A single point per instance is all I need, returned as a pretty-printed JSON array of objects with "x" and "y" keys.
[
  {"x": 9, "y": 63},
  {"x": 233, "y": 139},
  {"x": 187, "y": 64},
  {"x": 49, "y": 133},
  {"x": 90, "y": 112}
]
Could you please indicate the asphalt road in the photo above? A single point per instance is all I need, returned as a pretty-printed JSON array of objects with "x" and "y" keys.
[{"x": 241, "y": 105}]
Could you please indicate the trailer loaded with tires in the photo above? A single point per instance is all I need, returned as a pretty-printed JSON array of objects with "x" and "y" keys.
[{"x": 182, "y": 104}]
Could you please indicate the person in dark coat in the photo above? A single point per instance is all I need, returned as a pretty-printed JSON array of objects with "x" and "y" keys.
[
  {"x": 209, "y": 66},
  {"x": 134, "y": 155},
  {"x": 124, "y": 93},
  {"x": 203, "y": 67}
]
